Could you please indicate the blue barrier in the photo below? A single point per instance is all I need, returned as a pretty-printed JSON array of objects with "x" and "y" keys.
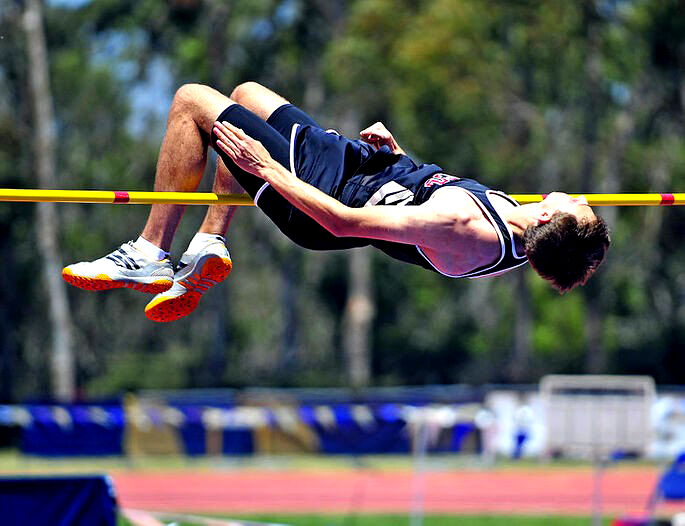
[
  {"x": 74, "y": 430},
  {"x": 57, "y": 501},
  {"x": 98, "y": 430}
]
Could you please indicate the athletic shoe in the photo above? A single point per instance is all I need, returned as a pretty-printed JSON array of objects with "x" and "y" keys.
[
  {"x": 125, "y": 267},
  {"x": 195, "y": 275}
]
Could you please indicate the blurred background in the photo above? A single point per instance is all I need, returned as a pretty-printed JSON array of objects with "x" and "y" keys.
[{"x": 526, "y": 96}]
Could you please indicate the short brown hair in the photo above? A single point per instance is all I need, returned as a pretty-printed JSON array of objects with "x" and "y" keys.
[{"x": 566, "y": 251}]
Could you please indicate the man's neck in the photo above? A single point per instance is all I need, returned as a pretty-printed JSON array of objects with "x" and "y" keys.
[{"x": 519, "y": 218}]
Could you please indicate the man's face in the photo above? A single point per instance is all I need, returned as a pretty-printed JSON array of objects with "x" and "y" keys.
[{"x": 561, "y": 202}]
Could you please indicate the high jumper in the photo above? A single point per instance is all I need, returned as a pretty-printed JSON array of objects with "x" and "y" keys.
[{"x": 327, "y": 192}]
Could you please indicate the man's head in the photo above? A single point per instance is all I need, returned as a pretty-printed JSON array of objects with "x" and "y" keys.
[{"x": 567, "y": 242}]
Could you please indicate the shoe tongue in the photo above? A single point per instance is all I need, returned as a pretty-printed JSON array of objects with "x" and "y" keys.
[
  {"x": 141, "y": 254},
  {"x": 198, "y": 244},
  {"x": 132, "y": 251}
]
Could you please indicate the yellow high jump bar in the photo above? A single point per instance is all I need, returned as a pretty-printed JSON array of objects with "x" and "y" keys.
[
  {"x": 206, "y": 198},
  {"x": 122, "y": 197}
]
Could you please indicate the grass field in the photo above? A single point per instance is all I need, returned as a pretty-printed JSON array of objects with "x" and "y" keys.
[{"x": 403, "y": 520}]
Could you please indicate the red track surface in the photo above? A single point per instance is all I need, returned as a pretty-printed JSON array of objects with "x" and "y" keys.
[{"x": 537, "y": 491}]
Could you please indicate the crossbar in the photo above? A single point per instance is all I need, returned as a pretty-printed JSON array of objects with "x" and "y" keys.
[{"x": 208, "y": 198}]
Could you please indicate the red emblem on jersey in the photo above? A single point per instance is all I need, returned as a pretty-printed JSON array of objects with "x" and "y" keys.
[{"x": 439, "y": 179}]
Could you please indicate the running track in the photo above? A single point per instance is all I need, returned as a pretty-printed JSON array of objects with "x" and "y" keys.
[{"x": 535, "y": 491}]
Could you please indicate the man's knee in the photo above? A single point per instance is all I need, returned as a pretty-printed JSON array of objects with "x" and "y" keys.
[
  {"x": 257, "y": 98},
  {"x": 203, "y": 103},
  {"x": 188, "y": 94},
  {"x": 246, "y": 90}
]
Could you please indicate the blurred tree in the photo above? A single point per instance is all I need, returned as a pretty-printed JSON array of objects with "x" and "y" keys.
[{"x": 48, "y": 224}]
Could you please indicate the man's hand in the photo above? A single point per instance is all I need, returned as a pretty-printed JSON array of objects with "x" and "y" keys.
[
  {"x": 248, "y": 153},
  {"x": 378, "y": 135}
]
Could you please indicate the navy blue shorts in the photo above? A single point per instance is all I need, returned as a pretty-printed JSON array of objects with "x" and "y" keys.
[{"x": 275, "y": 135}]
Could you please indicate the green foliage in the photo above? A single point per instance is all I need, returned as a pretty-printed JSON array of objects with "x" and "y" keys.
[{"x": 534, "y": 97}]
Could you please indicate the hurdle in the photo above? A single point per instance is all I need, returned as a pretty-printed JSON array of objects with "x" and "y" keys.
[{"x": 118, "y": 197}]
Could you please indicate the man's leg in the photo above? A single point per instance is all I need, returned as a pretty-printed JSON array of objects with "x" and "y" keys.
[
  {"x": 218, "y": 217},
  {"x": 182, "y": 159},
  {"x": 143, "y": 264},
  {"x": 206, "y": 262}
]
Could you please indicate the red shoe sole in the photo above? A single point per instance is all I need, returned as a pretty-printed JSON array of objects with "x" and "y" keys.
[
  {"x": 104, "y": 282},
  {"x": 164, "y": 310}
]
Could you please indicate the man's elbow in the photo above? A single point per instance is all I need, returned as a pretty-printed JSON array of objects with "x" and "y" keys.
[
  {"x": 340, "y": 228},
  {"x": 343, "y": 225},
  {"x": 346, "y": 221}
]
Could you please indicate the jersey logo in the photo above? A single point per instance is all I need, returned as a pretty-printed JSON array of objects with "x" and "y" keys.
[
  {"x": 439, "y": 179},
  {"x": 391, "y": 193}
]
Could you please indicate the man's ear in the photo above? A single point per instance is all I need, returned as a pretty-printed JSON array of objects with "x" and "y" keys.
[{"x": 544, "y": 215}]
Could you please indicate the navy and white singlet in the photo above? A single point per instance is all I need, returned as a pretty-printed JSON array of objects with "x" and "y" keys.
[{"x": 380, "y": 177}]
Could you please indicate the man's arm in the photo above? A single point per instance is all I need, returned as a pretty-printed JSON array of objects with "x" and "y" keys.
[{"x": 430, "y": 225}]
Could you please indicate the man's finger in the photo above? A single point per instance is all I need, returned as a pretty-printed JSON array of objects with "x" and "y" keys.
[
  {"x": 226, "y": 147},
  {"x": 227, "y": 129},
  {"x": 221, "y": 131},
  {"x": 237, "y": 131},
  {"x": 230, "y": 133},
  {"x": 233, "y": 138},
  {"x": 226, "y": 143},
  {"x": 224, "y": 137}
]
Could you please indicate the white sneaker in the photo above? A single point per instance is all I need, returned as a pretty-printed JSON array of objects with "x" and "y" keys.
[
  {"x": 195, "y": 275},
  {"x": 124, "y": 267}
]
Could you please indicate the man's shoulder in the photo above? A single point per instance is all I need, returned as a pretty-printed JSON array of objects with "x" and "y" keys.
[
  {"x": 453, "y": 198},
  {"x": 463, "y": 207}
]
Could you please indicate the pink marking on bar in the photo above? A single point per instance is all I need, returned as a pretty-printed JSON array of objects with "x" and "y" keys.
[
  {"x": 121, "y": 197},
  {"x": 667, "y": 199}
]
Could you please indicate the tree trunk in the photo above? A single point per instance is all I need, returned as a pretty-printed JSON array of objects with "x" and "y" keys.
[
  {"x": 359, "y": 307},
  {"x": 624, "y": 125},
  {"x": 523, "y": 332},
  {"x": 596, "y": 358},
  {"x": 220, "y": 14},
  {"x": 62, "y": 357},
  {"x": 292, "y": 286},
  {"x": 220, "y": 313},
  {"x": 359, "y": 312}
]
